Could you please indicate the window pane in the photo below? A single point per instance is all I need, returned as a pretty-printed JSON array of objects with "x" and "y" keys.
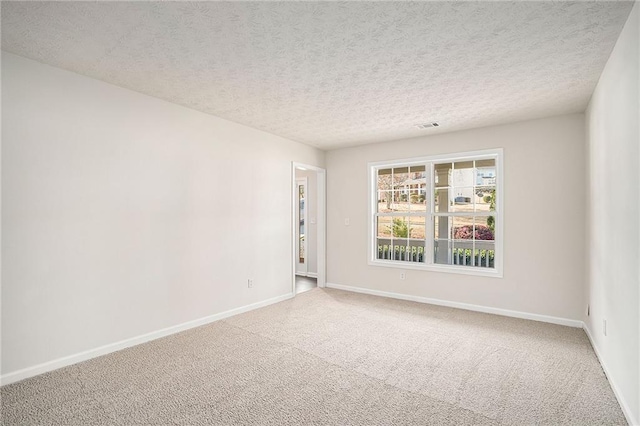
[
  {"x": 454, "y": 200},
  {"x": 400, "y": 174},
  {"x": 442, "y": 174},
  {"x": 384, "y": 248},
  {"x": 384, "y": 179},
  {"x": 442, "y": 240},
  {"x": 384, "y": 201},
  {"x": 399, "y": 249},
  {"x": 485, "y": 198},
  {"x": 442, "y": 227},
  {"x": 442, "y": 203},
  {"x": 484, "y": 244},
  {"x": 400, "y": 227},
  {"x": 463, "y": 229},
  {"x": 416, "y": 251},
  {"x": 462, "y": 182},
  {"x": 462, "y": 174},
  {"x": 485, "y": 172},
  {"x": 484, "y": 258},
  {"x": 484, "y": 228},
  {"x": 393, "y": 201},
  {"x": 416, "y": 185},
  {"x": 400, "y": 178},
  {"x": 401, "y": 185},
  {"x": 417, "y": 200},
  {"x": 454, "y": 240},
  {"x": 462, "y": 199},
  {"x": 384, "y": 227},
  {"x": 473, "y": 242},
  {"x": 400, "y": 200},
  {"x": 417, "y": 227},
  {"x": 384, "y": 189},
  {"x": 462, "y": 256}
]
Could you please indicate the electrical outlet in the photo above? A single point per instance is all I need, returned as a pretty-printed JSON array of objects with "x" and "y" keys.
[
  {"x": 588, "y": 310},
  {"x": 250, "y": 283},
  {"x": 403, "y": 275},
  {"x": 604, "y": 327}
]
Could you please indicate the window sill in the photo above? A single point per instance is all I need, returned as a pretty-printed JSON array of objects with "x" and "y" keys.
[{"x": 450, "y": 269}]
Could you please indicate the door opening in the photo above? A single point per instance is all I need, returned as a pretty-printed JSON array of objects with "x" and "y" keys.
[
  {"x": 302, "y": 239},
  {"x": 309, "y": 227}
]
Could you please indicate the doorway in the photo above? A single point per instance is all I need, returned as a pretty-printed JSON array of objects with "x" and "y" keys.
[
  {"x": 302, "y": 237},
  {"x": 308, "y": 227}
]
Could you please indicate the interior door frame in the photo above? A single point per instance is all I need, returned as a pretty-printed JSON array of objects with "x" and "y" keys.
[{"x": 321, "y": 222}]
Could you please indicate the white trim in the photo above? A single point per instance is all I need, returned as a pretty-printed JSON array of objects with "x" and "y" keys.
[
  {"x": 45, "y": 367},
  {"x": 626, "y": 410},
  {"x": 496, "y": 272},
  {"x": 321, "y": 227},
  {"x": 454, "y": 156},
  {"x": 459, "y": 305},
  {"x": 456, "y": 269}
]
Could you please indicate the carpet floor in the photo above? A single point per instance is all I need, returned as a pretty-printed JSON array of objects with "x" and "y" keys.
[{"x": 338, "y": 358}]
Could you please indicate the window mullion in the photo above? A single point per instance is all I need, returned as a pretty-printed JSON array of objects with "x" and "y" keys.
[{"x": 429, "y": 226}]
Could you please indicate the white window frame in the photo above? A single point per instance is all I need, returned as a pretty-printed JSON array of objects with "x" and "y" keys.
[{"x": 429, "y": 265}]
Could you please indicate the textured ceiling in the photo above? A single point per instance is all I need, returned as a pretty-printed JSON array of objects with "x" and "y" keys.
[{"x": 333, "y": 74}]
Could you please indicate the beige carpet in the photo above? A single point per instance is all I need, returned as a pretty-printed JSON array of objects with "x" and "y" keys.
[{"x": 333, "y": 357}]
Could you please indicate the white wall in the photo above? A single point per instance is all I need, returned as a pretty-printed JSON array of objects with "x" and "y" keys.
[
  {"x": 312, "y": 218},
  {"x": 124, "y": 214},
  {"x": 613, "y": 286},
  {"x": 544, "y": 163}
]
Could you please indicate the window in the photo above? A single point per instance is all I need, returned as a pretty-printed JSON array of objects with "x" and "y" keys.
[{"x": 438, "y": 213}]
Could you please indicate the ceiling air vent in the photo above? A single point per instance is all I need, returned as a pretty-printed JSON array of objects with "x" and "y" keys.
[{"x": 426, "y": 125}]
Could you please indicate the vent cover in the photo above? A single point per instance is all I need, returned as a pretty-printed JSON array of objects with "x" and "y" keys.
[{"x": 426, "y": 125}]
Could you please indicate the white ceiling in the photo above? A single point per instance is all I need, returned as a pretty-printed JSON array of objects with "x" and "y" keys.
[{"x": 333, "y": 74}]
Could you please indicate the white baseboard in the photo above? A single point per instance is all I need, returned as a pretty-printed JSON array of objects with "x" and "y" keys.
[
  {"x": 460, "y": 305},
  {"x": 35, "y": 370},
  {"x": 623, "y": 403}
]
